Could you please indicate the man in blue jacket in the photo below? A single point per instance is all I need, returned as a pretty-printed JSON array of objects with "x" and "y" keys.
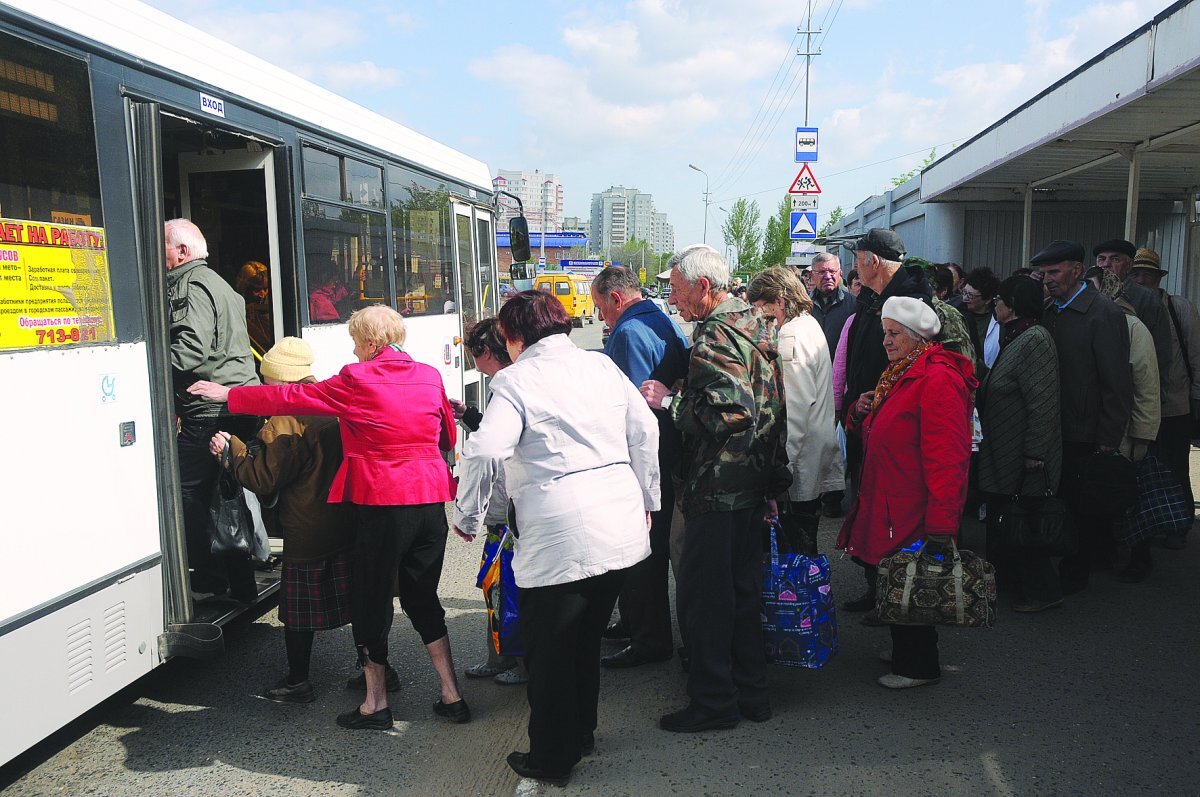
[{"x": 645, "y": 344}]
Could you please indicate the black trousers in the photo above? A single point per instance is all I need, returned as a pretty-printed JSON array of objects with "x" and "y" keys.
[
  {"x": 198, "y": 470},
  {"x": 644, "y": 603},
  {"x": 1174, "y": 446},
  {"x": 408, "y": 541},
  {"x": 563, "y": 624},
  {"x": 720, "y": 604},
  {"x": 915, "y": 651},
  {"x": 1097, "y": 545}
]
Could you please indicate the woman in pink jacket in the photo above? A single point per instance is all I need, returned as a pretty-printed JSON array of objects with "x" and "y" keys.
[
  {"x": 395, "y": 422},
  {"x": 916, "y": 431}
]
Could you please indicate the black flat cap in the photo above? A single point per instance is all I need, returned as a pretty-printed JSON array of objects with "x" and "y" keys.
[
  {"x": 884, "y": 243},
  {"x": 1057, "y": 252},
  {"x": 1115, "y": 245}
]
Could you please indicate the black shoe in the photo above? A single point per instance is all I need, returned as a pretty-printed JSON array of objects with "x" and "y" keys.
[
  {"x": 690, "y": 720},
  {"x": 1136, "y": 571},
  {"x": 391, "y": 680},
  {"x": 283, "y": 692},
  {"x": 588, "y": 745},
  {"x": 631, "y": 657},
  {"x": 519, "y": 763},
  {"x": 615, "y": 631},
  {"x": 456, "y": 712},
  {"x": 756, "y": 713},
  {"x": 354, "y": 720},
  {"x": 863, "y": 603}
]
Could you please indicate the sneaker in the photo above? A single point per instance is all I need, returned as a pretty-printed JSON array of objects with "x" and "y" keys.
[
  {"x": 893, "y": 681},
  {"x": 484, "y": 670},
  {"x": 1030, "y": 607},
  {"x": 391, "y": 681},
  {"x": 512, "y": 677},
  {"x": 283, "y": 692}
]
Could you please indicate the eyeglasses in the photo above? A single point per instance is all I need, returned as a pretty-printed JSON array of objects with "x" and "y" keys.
[{"x": 971, "y": 294}]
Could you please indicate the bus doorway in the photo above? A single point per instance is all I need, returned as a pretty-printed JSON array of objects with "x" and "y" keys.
[{"x": 225, "y": 183}]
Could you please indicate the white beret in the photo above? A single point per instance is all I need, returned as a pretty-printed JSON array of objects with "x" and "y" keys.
[{"x": 914, "y": 314}]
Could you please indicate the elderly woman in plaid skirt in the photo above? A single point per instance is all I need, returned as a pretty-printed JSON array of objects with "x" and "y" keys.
[{"x": 296, "y": 458}]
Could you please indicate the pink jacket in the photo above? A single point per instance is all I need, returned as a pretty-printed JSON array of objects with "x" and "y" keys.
[
  {"x": 839, "y": 367},
  {"x": 395, "y": 422}
]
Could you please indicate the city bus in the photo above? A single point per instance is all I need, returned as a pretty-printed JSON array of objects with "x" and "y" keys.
[{"x": 117, "y": 117}]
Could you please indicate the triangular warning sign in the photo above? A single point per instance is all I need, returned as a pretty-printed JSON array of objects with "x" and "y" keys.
[{"x": 805, "y": 182}]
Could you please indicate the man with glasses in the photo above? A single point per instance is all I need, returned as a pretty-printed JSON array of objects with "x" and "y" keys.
[{"x": 832, "y": 305}]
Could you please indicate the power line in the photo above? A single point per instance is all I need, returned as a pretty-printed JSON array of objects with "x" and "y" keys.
[
  {"x": 844, "y": 171},
  {"x": 801, "y": 79}
]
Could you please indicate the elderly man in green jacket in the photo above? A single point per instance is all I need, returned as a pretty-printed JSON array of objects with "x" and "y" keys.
[
  {"x": 208, "y": 341},
  {"x": 730, "y": 411}
]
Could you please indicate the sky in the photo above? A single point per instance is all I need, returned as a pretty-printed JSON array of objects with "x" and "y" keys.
[{"x": 631, "y": 93}]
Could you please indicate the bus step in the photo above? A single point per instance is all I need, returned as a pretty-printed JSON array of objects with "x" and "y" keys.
[{"x": 193, "y": 640}]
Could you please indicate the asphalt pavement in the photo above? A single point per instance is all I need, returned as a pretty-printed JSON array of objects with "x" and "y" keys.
[{"x": 1096, "y": 698}]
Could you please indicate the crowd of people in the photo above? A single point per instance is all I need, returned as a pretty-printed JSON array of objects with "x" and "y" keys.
[{"x": 902, "y": 397}]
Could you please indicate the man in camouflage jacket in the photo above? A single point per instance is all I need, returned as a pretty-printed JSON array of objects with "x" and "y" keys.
[{"x": 730, "y": 411}]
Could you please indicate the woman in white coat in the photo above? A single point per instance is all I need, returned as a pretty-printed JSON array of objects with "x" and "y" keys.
[
  {"x": 804, "y": 361},
  {"x": 579, "y": 448}
]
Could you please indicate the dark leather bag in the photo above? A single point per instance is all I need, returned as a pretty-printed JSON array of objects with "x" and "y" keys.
[
  {"x": 232, "y": 526},
  {"x": 1040, "y": 523}
]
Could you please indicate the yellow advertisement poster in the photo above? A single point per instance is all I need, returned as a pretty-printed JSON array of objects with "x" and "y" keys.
[{"x": 54, "y": 287}]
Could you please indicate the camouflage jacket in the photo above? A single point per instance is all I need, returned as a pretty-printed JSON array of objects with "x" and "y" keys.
[
  {"x": 954, "y": 335},
  {"x": 731, "y": 413}
]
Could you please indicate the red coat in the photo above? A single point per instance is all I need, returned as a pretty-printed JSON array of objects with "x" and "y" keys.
[
  {"x": 395, "y": 422},
  {"x": 916, "y": 451}
]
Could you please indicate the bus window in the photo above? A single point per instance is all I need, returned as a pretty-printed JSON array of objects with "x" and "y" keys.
[
  {"x": 421, "y": 242},
  {"x": 53, "y": 248},
  {"x": 352, "y": 241},
  {"x": 483, "y": 229},
  {"x": 468, "y": 270},
  {"x": 562, "y": 288}
]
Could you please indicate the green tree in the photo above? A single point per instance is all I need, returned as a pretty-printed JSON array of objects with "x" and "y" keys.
[
  {"x": 741, "y": 231},
  {"x": 777, "y": 245},
  {"x": 634, "y": 253},
  {"x": 904, "y": 177},
  {"x": 831, "y": 221}
]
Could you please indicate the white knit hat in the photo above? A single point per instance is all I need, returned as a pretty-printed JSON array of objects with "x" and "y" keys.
[
  {"x": 289, "y": 360},
  {"x": 914, "y": 314}
]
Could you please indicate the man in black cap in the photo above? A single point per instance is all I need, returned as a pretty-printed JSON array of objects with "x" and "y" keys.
[
  {"x": 1117, "y": 256},
  {"x": 1096, "y": 387},
  {"x": 878, "y": 257}
]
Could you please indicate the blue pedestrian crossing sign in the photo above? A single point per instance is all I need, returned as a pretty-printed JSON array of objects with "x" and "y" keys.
[{"x": 804, "y": 225}]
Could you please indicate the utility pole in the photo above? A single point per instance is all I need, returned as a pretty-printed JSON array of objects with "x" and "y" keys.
[{"x": 808, "y": 54}]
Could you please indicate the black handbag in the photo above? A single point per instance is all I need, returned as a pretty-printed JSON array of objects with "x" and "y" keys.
[
  {"x": 1039, "y": 524},
  {"x": 232, "y": 526}
]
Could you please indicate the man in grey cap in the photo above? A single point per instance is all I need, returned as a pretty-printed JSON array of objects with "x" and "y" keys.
[
  {"x": 1117, "y": 256},
  {"x": 1096, "y": 384},
  {"x": 878, "y": 257}
]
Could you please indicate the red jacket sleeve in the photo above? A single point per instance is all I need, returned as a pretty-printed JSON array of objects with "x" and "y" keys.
[
  {"x": 330, "y": 397},
  {"x": 945, "y": 429}
]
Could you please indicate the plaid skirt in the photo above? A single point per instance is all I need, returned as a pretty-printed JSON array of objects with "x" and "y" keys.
[{"x": 315, "y": 596}]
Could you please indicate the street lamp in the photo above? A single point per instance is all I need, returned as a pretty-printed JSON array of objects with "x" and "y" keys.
[{"x": 706, "y": 196}]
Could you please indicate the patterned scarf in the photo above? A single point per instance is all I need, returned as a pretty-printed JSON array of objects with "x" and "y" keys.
[{"x": 896, "y": 370}]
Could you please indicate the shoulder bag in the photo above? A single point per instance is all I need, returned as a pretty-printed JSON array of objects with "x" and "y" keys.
[
  {"x": 1039, "y": 523},
  {"x": 232, "y": 526},
  {"x": 936, "y": 586}
]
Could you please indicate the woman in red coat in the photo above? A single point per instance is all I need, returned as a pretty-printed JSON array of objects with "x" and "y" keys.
[
  {"x": 916, "y": 431},
  {"x": 395, "y": 422}
]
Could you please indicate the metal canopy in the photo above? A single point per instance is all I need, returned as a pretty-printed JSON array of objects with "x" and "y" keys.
[{"x": 1125, "y": 125}]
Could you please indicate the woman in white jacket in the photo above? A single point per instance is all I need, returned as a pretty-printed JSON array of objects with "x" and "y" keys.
[
  {"x": 579, "y": 449},
  {"x": 804, "y": 361}
]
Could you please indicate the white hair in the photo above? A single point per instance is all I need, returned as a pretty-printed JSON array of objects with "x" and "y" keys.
[
  {"x": 821, "y": 257},
  {"x": 183, "y": 231},
  {"x": 701, "y": 260}
]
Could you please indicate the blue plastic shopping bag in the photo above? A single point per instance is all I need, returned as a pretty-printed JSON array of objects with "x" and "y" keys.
[
  {"x": 501, "y": 593},
  {"x": 799, "y": 616}
]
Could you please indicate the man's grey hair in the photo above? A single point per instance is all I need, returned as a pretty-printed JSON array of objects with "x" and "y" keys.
[
  {"x": 701, "y": 260},
  {"x": 183, "y": 231},
  {"x": 821, "y": 257},
  {"x": 617, "y": 279}
]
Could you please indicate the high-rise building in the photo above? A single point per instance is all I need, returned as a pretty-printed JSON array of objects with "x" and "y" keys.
[
  {"x": 541, "y": 194},
  {"x": 663, "y": 240},
  {"x": 619, "y": 215}
]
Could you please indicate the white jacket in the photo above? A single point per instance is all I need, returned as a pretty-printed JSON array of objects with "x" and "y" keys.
[
  {"x": 812, "y": 447},
  {"x": 579, "y": 449}
]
